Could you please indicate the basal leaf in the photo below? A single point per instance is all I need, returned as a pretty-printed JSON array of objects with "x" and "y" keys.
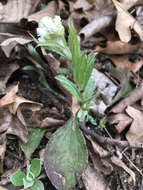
[
  {"x": 35, "y": 167},
  {"x": 66, "y": 155},
  {"x": 34, "y": 140},
  {"x": 69, "y": 86},
  {"x": 17, "y": 178}
]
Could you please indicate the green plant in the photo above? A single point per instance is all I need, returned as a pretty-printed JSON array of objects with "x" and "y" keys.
[
  {"x": 30, "y": 179},
  {"x": 66, "y": 153}
]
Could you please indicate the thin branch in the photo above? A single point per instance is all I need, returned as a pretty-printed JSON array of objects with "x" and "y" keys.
[{"x": 106, "y": 140}]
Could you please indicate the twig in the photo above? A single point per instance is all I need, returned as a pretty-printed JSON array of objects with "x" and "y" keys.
[{"x": 106, "y": 140}]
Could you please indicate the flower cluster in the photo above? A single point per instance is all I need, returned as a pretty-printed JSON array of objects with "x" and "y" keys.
[{"x": 50, "y": 28}]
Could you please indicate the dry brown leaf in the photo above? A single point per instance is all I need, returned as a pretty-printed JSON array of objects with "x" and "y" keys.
[
  {"x": 49, "y": 10},
  {"x": 118, "y": 47},
  {"x": 34, "y": 106},
  {"x": 132, "y": 97},
  {"x": 135, "y": 133},
  {"x": 9, "y": 98},
  {"x": 130, "y": 3},
  {"x": 15, "y": 10},
  {"x": 119, "y": 163},
  {"x": 124, "y": 26},
  {"x": 120, "y": 121},
  {"x": 6, "y": 70},
  {"x": 51, "y": 122},
  {"x": 93, "y": 180},
  {"x": 84, "y": 5},
  {"x": 123, "y": 61}
]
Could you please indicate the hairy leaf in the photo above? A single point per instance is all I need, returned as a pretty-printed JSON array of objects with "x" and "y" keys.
[
  {"x": 66, "y": 155},
  {"x": 17, "y": 178},
  {"x": 34, "y": 140},
  {"x": 38, "y": 185},
  {"x": 35, "y": 167},
  {"x": 69, "y": 86},
  {"x": 89, "y": 89}
]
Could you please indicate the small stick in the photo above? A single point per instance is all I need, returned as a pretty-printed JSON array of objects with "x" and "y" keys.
[{"x": 106, "y": 140}]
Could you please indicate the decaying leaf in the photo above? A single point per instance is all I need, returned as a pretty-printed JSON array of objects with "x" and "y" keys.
[
  {"x": 123, "y": 25},
  {"x": 65, "y": 156},
  {"x": 50, "y": 122},
  {"x": 2, "y": 151},
  {"x": 132, "y": 97},
  {"x": 120, "y": 121},
  {"x": 93, "y": 180},
  {"x": 135, "y": 133},
  {"x": 15, "y": 10},
  {"x": 118, "y": 48}
]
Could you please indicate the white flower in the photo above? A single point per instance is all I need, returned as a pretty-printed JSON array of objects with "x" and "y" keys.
[{"x": 50, "y": 28}]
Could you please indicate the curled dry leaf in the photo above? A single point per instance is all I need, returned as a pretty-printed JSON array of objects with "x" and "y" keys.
[
  {"x": 34, "y": 106},
  {"x": 93, "y": 180},
  {"x": 120, "y": 121},
  {"x": 9, "y": 98},
  {"x": 132, "y": 97},
  {"x": 6, "y": 71},
  {"x": 15, "y": 10},
  {"x": 49, "y": 10},
  {"x": 135, "y": 133},
  {"x": 119, "y": 163},
  {"x": 51, "y": 122},
  {"x": 124, "y": 26},
  {"x": 118, "y": 47}
]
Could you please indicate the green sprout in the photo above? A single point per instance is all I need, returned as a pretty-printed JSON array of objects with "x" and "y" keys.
[{"x": 30, "y": 179}]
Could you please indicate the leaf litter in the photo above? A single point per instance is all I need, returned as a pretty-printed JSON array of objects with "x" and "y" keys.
[{"x": 102, "y": 27}]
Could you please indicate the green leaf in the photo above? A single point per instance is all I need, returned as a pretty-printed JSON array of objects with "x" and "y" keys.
[
  {"x": 17, "y": 178},
  {"x": 66, "y": 155},
  {"x": 38, "y": 185},
  {"x": 69, "y": 86},
  {"x": 34, "y": 140},
  {"x": 27, "y": 183},
  {"x": 35, "y": 167},
  {"x": 89, "y": 89}
]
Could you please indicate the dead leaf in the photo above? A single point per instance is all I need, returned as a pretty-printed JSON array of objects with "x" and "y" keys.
[
  {"x": 2, "y": 188},
  {"x": 49, "y": 10},
  {"x": 6, "y": 70},
  {"x": 123, "y": 61},
  {"x": 84, "y": 5},
  {"x": 93, "y": 180},
  {"x": 34, "y": 106},
  {"x": 123, "y": 25},
  {"x": 15, "y": 10},
  {"x": 9, "y": 98},
  {"x": 119, "y": 163},
  {"x": 118, "y": 47},
  {"x": 130, "y": 99},
  {"x": 120, "y": 121},
  {"x": 135, "y": 133},
  {"x": 51, "y": 122}
]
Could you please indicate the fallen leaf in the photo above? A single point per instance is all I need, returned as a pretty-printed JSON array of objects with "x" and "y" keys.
[
  {"x": 124, "y": 26},
  {"x": 49, "y": 10},
  {"x": 121, "y": 164},
  {"x": 6, "y": 70},
  {"x": 123, "y": 61},
  {"x": 9, "y": 98},
  {"x": 118, "y": 47},
  {"x": 120, "y": 121},
  {"x": 93, "y": 180},
  {"x": 15, "y": 10},
  {"x": 135, "y": 133},
  {"x": 50, "y": 122},
  {"x": 2, "y": 188},
  {"x": 11, "y": 125}
]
